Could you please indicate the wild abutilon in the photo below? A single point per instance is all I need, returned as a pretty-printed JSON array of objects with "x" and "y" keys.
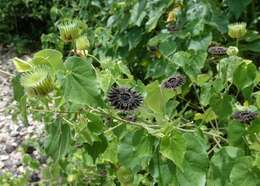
[
  {"x": 217, "y": 50},
  {"x": 69, "y": 31},
  {"x": 125, "y": 99},
  {"x": 232, "y": 51},
  {"x": 38, "y": 82},
  {"x": 244, "y": 116},
  {"x": 237, "y": 30},
  {"x": 174, "y": 81},
  {"x": 82, "y": 43}
]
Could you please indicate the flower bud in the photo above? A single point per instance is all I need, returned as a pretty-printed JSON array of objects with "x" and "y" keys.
[
  {"x": 82, "y": 43},
  {"x": 232, "y": 51},
  {"x": 237, "y": 30}
]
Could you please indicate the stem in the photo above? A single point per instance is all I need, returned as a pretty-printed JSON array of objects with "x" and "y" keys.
[
  {"x": 205, "y": 132},
  {"x": 85, "y": 54},
  {"x": 158, "y": 164},
  {"x": 94, "y": 58},
  {"x": 51, "y": 111},
  {"x": 112, "y": 128},
  {"x": 237, "y": 41},
  {"x": 145, "y": 126},
  {"x": 74, "y": 47}
]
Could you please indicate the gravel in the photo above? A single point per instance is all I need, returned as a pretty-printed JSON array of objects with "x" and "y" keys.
[{"x": 12, "y": 133}]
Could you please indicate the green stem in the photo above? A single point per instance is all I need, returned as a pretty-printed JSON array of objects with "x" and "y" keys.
[
  {"x": 94, "y": 58},
  {"x": 74, "y": 47},
  {"x": 159, "y": 165},
  {"x": 112, "y": 128}
]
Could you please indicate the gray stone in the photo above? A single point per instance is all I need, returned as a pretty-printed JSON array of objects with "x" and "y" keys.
[
  {"x": 9, "y": 148},
  {"x": 4, "y": 157}
]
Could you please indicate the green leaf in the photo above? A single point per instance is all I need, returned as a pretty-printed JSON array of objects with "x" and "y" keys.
[
  {"x": 157, "y": 97},
  {"x": 244, "y": 75},
  {"x": 200, "y": 43},
  {"x": 97, "y": 148},
  {"x": 54, "y": 57},
  {"x": 135, "y": 150},
  {"x": 125, "y": 176},
  {"x": 208, "y": 116},
  {"x": 156, "y": 11},
  {"x": 58, "y": 141},
  {"x": 109, "y": 154},
  {"x": 244, "y": 173},
  {"x": 227, "y": 66},
  {"x": 253, "y": 46},
  {"x": 221, "y": 165},
  {"x": 206, "y": 93},
  {"x": 221, "y": 105},
  {"x": 161, "y": 168},
  {"x": 257, "y": 97},
  {"x": 195, "y": 164},
  {"x": 168, "y": 47},
  {"x": 236, "y": 133},
  {"x": 80, "y": 85},
  {"x": 192, "y": 62},
  {"x": 173, "y": 147},
  {"x": 237, "y": 7},
  {"x": 156, "y": 40},
  {"x": 138, "y": 13}
]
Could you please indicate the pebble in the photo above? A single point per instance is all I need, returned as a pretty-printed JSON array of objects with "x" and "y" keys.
[
  {"x": 4, "y": 157},
  {"x": 12, "y": 134},
  {"x": 9, "y": 148}
]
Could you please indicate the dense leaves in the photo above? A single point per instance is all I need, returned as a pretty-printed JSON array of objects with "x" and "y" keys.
[{"x": 197, "y": 77}]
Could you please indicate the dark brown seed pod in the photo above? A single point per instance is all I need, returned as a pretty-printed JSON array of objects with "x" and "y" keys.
[
  {"x": 244, "y": 116},
  {"x": 217, "y": 50},
  {"x": 125, "y": 99},
  {"x": 174, "y": 81}
]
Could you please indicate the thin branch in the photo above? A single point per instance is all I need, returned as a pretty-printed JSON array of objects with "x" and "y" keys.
[{"x": 94, "y": 57}]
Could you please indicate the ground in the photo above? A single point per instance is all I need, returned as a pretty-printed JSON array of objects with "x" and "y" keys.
[{"x": 13, "y": 134}]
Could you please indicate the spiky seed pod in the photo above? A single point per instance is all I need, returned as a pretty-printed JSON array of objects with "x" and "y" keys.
[
  {"x": 217, "y": 50},
  {"x": 69, "y": 31},
  {"x": 38, "y": 82},
  {"x": 125, "y": 99},
  {"x": 232, "y": 51},
  {"x": 237, "y": 30},
  {"x": 244, "y": 116},
  {"x": 82, "y": 43},
  {"x": 174, "y": 82}
]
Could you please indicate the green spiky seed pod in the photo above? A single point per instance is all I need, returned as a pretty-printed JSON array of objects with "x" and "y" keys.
[
  {"x": 69, "y": 31},
  {"x": 232, "y": 51},
  {"x": 37, "y": 82},
  {"x": 82, "y": 43},
  {"x": 237, "y": 30}
]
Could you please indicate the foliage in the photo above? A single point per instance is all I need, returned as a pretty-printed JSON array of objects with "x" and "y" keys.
[
  {"x": 20, "y": 22},
  {"x": 183, "y": 135}
]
